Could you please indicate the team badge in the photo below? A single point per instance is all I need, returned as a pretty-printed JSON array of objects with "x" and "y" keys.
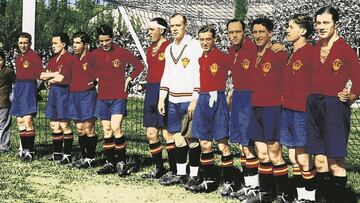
[
  {"x": 297, "y": 65},
  {"x": 266, "y": 67},
  {"x": 214, "y": 69},
  {"x": 337, "y": 64},
  {"x": 246, "y": 64},
  {"x": 161, "y": 56},
  {"x": 116, "y": 63},
  {"x": 185, "y": 61},
  {"x": 26, "y": 64},
  {"x": 84, "y": 66}
]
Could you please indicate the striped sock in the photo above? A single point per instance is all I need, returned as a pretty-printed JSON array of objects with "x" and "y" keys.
[
  {"x": 156, "y": 153},
  {"x": 171, "y": 151},
  {"x": 57, "y": 140},
  {"x": 109, "y": 146},
  {"x": 252, "y": 165},
  {"x": 207, "y": 161},
  {"x": 266, "y": 178},
  {"x": 227, "y": 166},
  {"x": 68, "y": 143},
  {"x": 91, "y": 146},
  {"x": 120, "y": 149},
  {"x": 281, "y": 179}
]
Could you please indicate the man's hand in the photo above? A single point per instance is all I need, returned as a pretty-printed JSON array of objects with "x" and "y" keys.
[
  {"x": 161, "y": 106},
  {"x": 191, "y": 108},
  {"x": 346, "y": 96},
  {"x": 278, "y": 47},
  {"x": 128, "y": 79}
]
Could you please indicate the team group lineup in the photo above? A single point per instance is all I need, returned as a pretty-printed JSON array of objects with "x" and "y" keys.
[{"x": 299, "y": 100}]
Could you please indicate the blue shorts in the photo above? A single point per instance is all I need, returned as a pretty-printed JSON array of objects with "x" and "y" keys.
[
  {"x": 82, "y": 105},
  {"x": 24, "y": 102},
  {"x": 152, "y": 117},
  {"x": 264, "y": 124},
  {"x": 211, "y": 123},
  {"x": 105, "y": 108},
  {"x": 176, "y": 112},
  {"x": 240, "y": 117},
  {"x": 292, "y": 128},
  {"x": 57, "y": 107},
  {"x": 328, "y": 125}
]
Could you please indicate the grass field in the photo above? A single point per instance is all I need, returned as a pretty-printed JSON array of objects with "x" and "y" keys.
[{"x": 46, "y": 181}]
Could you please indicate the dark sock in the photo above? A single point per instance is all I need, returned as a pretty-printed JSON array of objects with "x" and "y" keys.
[
  {"x": 266, "y": 178},
  {"x": 323, "y": 181},
  {"x": 91, "y": 146},
  {"x": 252, "y": 166},
  {"x": 338, "y": 189},
  {"x": 194, "y": 156},
  {"x": 30, "y": 140},
  {"x": 228, "y": 170},
  {"x": 309, "y": 179},
  {"x": 109, "y": 146},
  {"x": 171, "y": 151},
  {"x": 156, "y": 153},
  {"x": 296, "y": 181},
  {"x": 281, "y": 179},
  {"x": 83, "y": 142},
  {"x": 243, "y": 165},
  {"x": 181, "y": 154},
  {"x": 207, "y": 166},
  {"x": 120, "y": 149},
  {"x": 68, "y": 143},
  {"x": 57, "y": 140}
]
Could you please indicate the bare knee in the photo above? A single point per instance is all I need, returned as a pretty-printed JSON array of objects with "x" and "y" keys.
[
  {"x": 321, "y": 163},
  {"x": 152, "y": 135},
  {"x": 248, "y": 152},
  {"x": 337, "y": 166},
  {"x": 55, "y": 126},
  {"x": 224, "y": 148},
  {"x": 206, "y": 146}
]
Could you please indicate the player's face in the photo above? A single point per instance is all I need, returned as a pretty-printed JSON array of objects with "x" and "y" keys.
[
  {"x": 23, "y": 44},
  {"x": 79, "y": 47},
  {"x": 177, "y": 27},
  {"x": 154, "y": 33},
  {"x": 105, "y": 42},
  {"x": 293, "y": 31},
  {"x": 236, "y": 33},
  {"x": 261, "y": 35},
  {"x": 57, "y": 46},
  {"x": 2, "y": 62},
  {"x": 207, "y": 41},
  {"x": 325, "y": 25}
]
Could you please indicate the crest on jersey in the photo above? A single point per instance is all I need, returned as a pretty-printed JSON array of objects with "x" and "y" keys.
[
  {"x": 116, "y": 63},
  {"x": 161, "y": 56},
  {"x": 214, "y": 69},
  {"x": 185, "y": 61},
  {"x": 297, "y": 65},
  {"x": 266, "y": 67},
  {"x": 337, "y": 64},
  {"x": 245, "y": 64},
  {"x": 84, "y": 66},
  {"x": 26, "y": 64}
]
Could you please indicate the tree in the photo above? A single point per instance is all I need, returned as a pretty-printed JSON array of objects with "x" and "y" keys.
[
  {"x": 240, "y": 9},
  {"x": 10, "y": 24}
]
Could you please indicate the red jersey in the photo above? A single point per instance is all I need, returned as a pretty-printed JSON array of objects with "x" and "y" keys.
[
  {"x": 213, "y": 71},
  {"x": 110, "y": 69},
  {"x": 296, "y": 79},
  {"x": 267, "y": 79},
  {"x": 329, "y": 78},
  {"x": 28, "y": 66},
  {"x": 156, "y": 63},
  {"x": 82, "y": 73},
  {"x": 63, "y": 65},
  {"x": 242, "y": 65}
]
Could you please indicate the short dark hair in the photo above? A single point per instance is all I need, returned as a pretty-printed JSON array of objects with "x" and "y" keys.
[
  {"x": 266, "y": 22},
  {"x": 161, "y": 21},
  {"x": 305, "y": 22},
  {"x": 105, "y": 30},
  {"x": 207, "y": 28},
  {"x": 330, "y": 10},
  {"x": 235, "y": 20},
  {"x": 179, "y": 14},
  {"x": 85, "y": 39},
  {"x": 2, "y": 55},
  {"x": 25, "y": 35},
  {"x": 64, "y": 37}
]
